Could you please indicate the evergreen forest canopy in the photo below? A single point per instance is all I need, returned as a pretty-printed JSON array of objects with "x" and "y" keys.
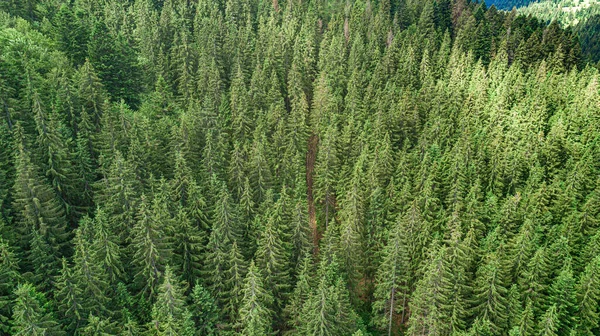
[
  {"x": 249, "y": 167},
  {"x": 510, "y": 4},
  {"x": 566, "y": 12},
  {"x": 582, "y": 15}
]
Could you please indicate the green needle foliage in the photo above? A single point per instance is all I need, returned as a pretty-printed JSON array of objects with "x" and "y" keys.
[{"x": 299, "y": 167}]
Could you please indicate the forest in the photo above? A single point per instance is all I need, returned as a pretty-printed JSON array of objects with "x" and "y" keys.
[
  {"x": 510, "y": 4},
  {"x": 582, "y": 15},
  {"x": 296, "y": 167}
]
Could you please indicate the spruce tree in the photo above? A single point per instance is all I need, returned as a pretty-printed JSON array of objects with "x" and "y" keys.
[
  {"x": 68, "y": 297},
  {"x": 30, "y": 316},
  {"x": 118, "y": 194},
  {"x": 255, "y": 316},
  {"x": 533, "y": 281},
  {"x": 204, "y": 311},
  {"x": 9, "y": 278},
  {"x": 234, "y": 283},
  {"x": 36, "y": 205},
  {"x": 88, "y": 273},
  {"x": 327, "y": 311},
  {"x": 169, "y": 313},
  {"x": 300, "y": 294},
  {"x": 106, "y": 247},
  {"x": 188, "y": 246},
  {"x": 150, "y": 248},
  {"x": 391, "y": 292},
  {"x": 562, "y": 296},
  {"x": 527, "y": 323},
  {"x": 491, "y": 292},
  {"x": 549, "y": 323},
  {"x": 99, "y": 327},
  {"x": 273, "y": 258},
  {"x": 428, "y": 314}
]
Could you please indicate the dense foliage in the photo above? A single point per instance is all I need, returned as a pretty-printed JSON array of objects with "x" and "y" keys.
[
  {"x": 248, "y": 167},
  {"x": 582, "y": 16},
  {"x": 510, "y": 4},
  {"x": 567, "y": 12},
  {"x": 589, "y": 36}
]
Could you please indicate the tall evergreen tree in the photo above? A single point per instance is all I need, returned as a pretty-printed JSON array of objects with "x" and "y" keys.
[
  {"x": 255, "y": 315},
  {"x": 204, "y": 311},
  {"x": 9, "y": 278},
  {"x": 151, "y": 251},
  {"x": 169, "y": 313},
  {"x": 30, "y": 316}
]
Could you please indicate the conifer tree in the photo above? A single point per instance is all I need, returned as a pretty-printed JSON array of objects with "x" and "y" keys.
[
  {"x": 255, "y": 316},
  {"x": 215, "y": 266},
  {"x": 113, "y": 59},
  {"x": 188, "y": 246},
  {"x": 300, "y": 294},
  {"x": 29, "y": 313},
  {"x": 588, "y": 297},
  {"x": 391, "y": 292},
  {"x": 204, "y": 311},
  {"x": 91, "y": 90},
  {"x": 69, "y": 299},
  {"x": 533, "y": 281},
  {"x": 526, "y": 324},
  {"x": 106, "y": 248},
  {"x": 36, "y": 205},
  {"x": 225, "y": 216},
  {"x": 88, "y": 272},
  {"x": 429, "y": 296},
  {"x": 169, "y": 313},
  {"x": 300, "y": 235},
  {"x": 490, "y": 292},
  {"x": 272, "y": 257},
  {"x": 151, "y": 252},
  {"x": 327, "y": 311},
  {"x": 55, "y": 152},
  {"x": 71, "y": 34},
  {"x": 9, "y": 278},
  {"x": 549, "y": 323},
  {"x": 43, "y": 261},
  {"x": 98, "y": 327},
  {"x": 325, "y": 173},
  {"x": 234, "y": 282},
  {"x": 118, "y": 195},
  {"x": 563, "y": 298}
]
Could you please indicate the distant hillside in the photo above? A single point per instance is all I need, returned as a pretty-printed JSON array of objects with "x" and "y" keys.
[
  {"x": 509, "y": 4},
  {"x": 566, "y": 12},
  {"x": 589, "y": 36},
  {"x": 583, "y": 16}
]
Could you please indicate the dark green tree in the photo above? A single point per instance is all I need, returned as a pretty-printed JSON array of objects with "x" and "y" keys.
[
  {"x": 204, "y": 311},
  {"x": 255, "y": 316},
  {"x": 30, "y": 316}
]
